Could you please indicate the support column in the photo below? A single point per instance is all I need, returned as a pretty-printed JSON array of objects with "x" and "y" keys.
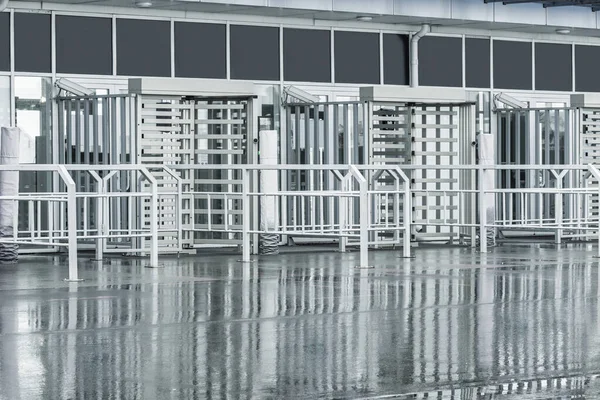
[{"x": 9, "y": 186}]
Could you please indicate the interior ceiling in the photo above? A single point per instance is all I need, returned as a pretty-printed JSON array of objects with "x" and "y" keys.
[{"x": 593, "y": 4}]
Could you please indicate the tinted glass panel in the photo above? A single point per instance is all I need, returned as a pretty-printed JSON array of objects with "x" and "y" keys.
[
  {"x": 396, "y": 59},
  {"x": 32, "y": 43},
  {"x": 4, "y": 41},
  {"x": 477, "y": 57},
  {"x": 587, "y": 59},
  {"x": 143, "y": 48},
  {"x": 440, "y": 61},
  {"x": 553, "y": 67},
  {"x": 307, "y": 55},
  {"x": 200, "y": 50},
  {"x": 512, "y": 65},
  {"x": 254, "y": 52},
  {"x": 83, "y": 45},
  {"x": 356, "y": 57}
]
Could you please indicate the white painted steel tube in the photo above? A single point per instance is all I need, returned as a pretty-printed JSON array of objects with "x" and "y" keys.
[
  {"x": 414, "y": 54},
  {"x": 487, "y": 157}
]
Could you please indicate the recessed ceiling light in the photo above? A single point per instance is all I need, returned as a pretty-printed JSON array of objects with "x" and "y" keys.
[
  {"x": 143, "y": 3},
  {"x": 364, "y": 18},
  {"x": 563, "y": 31}
]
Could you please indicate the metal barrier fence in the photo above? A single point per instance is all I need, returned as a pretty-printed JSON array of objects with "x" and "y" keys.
[{"x": 367, "y": 207}]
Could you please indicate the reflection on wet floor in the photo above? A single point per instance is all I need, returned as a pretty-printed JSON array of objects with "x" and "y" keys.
[{"x": 518, "y": 323}]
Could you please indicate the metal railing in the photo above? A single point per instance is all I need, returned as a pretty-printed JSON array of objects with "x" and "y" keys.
[{"x": 364, "y": 206}]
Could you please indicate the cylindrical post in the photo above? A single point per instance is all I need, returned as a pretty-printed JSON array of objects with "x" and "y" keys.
[
  {"x": 100, "y": 221},
  {"x": 407, "y": 218},
  {"x": 364, "y": 224},
  {"x": 154, "y": 226},
  {"x": 482, "y": 212},
  {"x": 245, "y": 215},
  {"x": 559, "y": 210},
  {"x": 72, "y": 231},
  {"x": 269, "y": 186}
]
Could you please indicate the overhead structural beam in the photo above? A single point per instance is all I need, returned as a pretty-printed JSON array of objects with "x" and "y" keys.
[{"x": 593, "y": 4}]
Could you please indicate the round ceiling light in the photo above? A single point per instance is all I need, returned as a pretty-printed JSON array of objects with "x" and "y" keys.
[
  {"x": 143, "y": 3},
  {"x": 364, "y": 18},
  {"x": 563, "y": 31}
]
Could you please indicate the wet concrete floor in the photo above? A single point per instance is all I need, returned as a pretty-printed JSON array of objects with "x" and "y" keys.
[{"x": 522, "y": 322}]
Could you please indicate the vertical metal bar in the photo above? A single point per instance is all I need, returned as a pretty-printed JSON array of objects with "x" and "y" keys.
[
  {"x": 518, "y": 158},
  {"x": 547, "y": 160},
  {"x": 81, "y": 203},
  {"x": 69, "y": 133},
  {"x": 356, "y": 156}
]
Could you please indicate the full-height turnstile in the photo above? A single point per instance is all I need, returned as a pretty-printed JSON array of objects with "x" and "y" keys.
[
  {"x": 422, "y": 127},
  {"x": 168, "y": 122},
  {"x": 392, "y": 126}
]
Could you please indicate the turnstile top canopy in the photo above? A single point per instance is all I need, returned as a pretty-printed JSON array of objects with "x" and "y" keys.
[
  {"x": 190, "y": 87},
  {"x": 402, "y": 94}
]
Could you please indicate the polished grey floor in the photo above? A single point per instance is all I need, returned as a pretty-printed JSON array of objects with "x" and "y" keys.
[{"x": 522, "y": 322}]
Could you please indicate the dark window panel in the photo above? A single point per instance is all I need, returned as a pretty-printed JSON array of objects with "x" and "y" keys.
[
  {"x": 307, "y": 55},
  {"x": 254, "y": 52},
  {"x": 440, "y": 61},
  {"x": 477, "y": 63},
  {"x": 33, "y": 50},
  {"x": 4, "y": 41},
  {"x": 553, "y": 67},
  {"x": 356, "y": 57},
  {"x": 83, "y": 45},
  {"x": 512, "y": 65},
  {"x": 587, "y": 59},
  {"x": 143, "y": 47},
  {"x": 396, "y": 59},
  {"x": 200, "y": 50}
]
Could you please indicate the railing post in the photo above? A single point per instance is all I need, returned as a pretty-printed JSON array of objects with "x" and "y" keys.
[
  {"x": 407, "y": 219},
  {"x": 154, "y": 225},
  {"x": 246, "y": 215},
  {"x": 558, "y": 211},
  {"x": 364, "y": 224},
  {"x": 482, "y": 213},
  {"x": 72, "y": 223},
  {"x": 343, "y": 212}
]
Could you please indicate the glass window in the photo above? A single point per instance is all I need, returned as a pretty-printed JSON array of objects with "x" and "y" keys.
[
  {"x": 83, "y": 45},
  {"x": 307, "y": 55},
  {"x": 32, "y": 43},
  {"x": 254, "y": 52},
  {"x": 356, "y": 57},
  {"x": 33, "y": 117},
  {"x": 587, "y": 59},
  {"x": 477, "y": 60},
  {"x": 200, "y": 50},
  {"x": 143, "y": 47},
  {"x": 396, "y": 59},
  {"x": 553, "y": 67},
  {"x": 4, "y": 101},
  {"x": 512, "y": 65},
  {"x": 4, "y": 42},
  {"x": 440, "y": 61}
]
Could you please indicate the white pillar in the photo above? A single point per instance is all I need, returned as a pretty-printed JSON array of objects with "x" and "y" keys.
[
  {"x": 269, "y": 183},
  {"x": 487, "y": 157},
  {"x": 9, "y": 186}
]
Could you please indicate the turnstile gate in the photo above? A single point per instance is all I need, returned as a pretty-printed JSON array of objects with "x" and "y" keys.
[
  {"x": 170, "y": 123},
  {"x": 397, "y": 133}
]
